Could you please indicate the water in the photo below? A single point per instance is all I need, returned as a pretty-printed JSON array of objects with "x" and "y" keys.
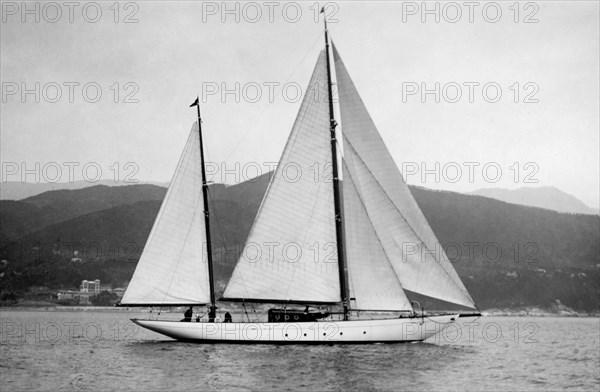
[{"x": 103, "y": 350}]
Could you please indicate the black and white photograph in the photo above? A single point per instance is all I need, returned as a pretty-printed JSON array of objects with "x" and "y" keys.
[{"x": 300, "y": 195}]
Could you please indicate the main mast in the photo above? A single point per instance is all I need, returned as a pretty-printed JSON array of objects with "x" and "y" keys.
[
  {"x": 213, "y": 307},
  {"x": 339, "y": 224}
]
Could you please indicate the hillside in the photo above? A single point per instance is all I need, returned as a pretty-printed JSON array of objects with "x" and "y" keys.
[
  {"x": 19, "y": 218},
  {"x": 544, "y": 238},
  {"x": 512, "y": 256},
  {"x": 507, "y": 255},
  {"x": 544, "y": 197},
  {"x": 107, "y": 243},
  {"x": 61, "y": 205},
  {"x": 18, "y": 190}
]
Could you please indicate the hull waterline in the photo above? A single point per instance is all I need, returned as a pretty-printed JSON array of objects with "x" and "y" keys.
[{"x": 316, "y": 332}]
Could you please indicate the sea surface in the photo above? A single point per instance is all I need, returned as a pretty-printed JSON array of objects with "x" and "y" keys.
[{"x": 103, "y": 350}]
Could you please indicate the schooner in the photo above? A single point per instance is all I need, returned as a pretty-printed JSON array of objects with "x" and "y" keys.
[{"x": 348, "y": 235}]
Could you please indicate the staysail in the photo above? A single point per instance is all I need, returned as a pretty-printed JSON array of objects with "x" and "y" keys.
[
  {"x": 405, "y": 236},
  {"x": 173, "y": 268},
  {"x": 372, "y": 280},
  {"x": 290, "y": 253}
]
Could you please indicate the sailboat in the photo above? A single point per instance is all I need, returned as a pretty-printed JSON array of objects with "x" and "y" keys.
[{"x": 345, "y": 246}]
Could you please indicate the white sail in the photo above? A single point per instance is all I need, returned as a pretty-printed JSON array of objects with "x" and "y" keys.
[
  {"x": 173, "y": 268},
  {"x": 290, "y": 253},
  {"x": 371, "y": 278},
  {"x": 409, "y": 243}
]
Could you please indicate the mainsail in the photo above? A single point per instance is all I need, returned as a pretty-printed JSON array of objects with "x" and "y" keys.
[
  {"x": 173, "y": 268},
  {"x": 401, "y": 229},
  {"x": 290, "y": 253}
]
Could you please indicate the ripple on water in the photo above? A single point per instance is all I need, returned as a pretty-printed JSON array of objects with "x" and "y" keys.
[{"x": 565, "y": 355}]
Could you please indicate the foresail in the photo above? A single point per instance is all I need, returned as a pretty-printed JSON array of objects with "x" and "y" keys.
[
  {"x": 417, "y": 258},
  {"x": 173, "y": 267},
  {"x": 290, "y": 253},
  {"x": 372, "y": 280}
]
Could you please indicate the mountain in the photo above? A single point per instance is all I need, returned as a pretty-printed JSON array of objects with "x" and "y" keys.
[
  {"x": 107, "y": 243},
  {"x": 511, "y": 256},
  {"x": 17, "y": 219},
  {"x": 547, "y": 197},
  {"x": 17, "y": 190},
  {"x": 507, "y": 255},
  {"x": 33, "y": 213},
  {"x": 513, "y": 234}
]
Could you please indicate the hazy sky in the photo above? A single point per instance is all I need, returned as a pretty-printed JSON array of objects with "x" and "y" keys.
[{"x": 176, "y": 50}]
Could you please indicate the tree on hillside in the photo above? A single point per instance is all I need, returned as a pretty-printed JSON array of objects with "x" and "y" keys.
[{"x": 105, "y": 299}]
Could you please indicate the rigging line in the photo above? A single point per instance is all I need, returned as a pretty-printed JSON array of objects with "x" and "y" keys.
[
  {"x": 244, "y": 284},
  {"x": 214, "y": 213},
  {"x": 204, "y": 314},
  {"x": 404, "y": 218},
  {"x": 438, "y": 322},
  {"x": 216, "y": 220},
  {"x": 350, "y": 275},
  {"x": 246, "y": 311},
  {"x": 374, "y": 231},
  {"x": 266, "y": 106},
  {"x": 211, "y": 200}
]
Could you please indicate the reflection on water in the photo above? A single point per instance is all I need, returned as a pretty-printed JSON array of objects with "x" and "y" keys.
[{"x": 68, "y": 350}]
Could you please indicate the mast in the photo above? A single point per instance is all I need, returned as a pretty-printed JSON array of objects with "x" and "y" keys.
[
  {"x": 339, "y": 224},
  {"x": 213, "y": 308}
]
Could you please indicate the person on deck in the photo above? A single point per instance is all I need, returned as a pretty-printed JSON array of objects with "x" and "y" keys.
[
  {"x": 227, "y": 318},
  {"x": 212, "y": 314},
  {"x": 187, "y": 316}
]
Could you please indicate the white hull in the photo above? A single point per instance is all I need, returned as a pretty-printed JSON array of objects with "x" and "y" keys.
[{"x": 317, "y": 332}]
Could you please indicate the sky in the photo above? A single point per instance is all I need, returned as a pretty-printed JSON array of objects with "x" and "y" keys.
[{"x": 511, "y": 91}]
